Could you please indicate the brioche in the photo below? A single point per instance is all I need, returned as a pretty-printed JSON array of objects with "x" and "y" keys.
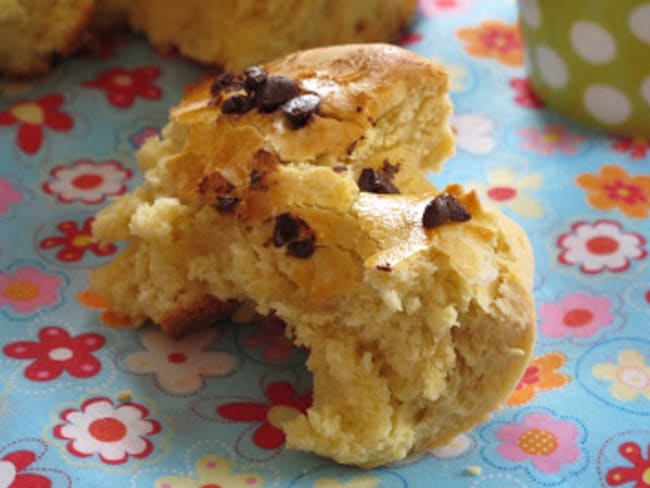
[
  {"x": 34, "y": 32},
  {"x": 216, "y": 32},
  {"x": 301, "y": 187},
  {"x": 238, "y": 34}
]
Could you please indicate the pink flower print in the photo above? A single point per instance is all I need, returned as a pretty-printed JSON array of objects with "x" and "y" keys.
[
  {"x": 123, "y": 86},
  {"x": 57, "y": 351},
  {"x": 27, "y": 289},
  {"x": 9, "y": 196},
  {"x": 600, "y": 246},
  {"x": 431, "y": 8},
  {"x": 547, "y": 442},
  {"x": 551, "y": 139},
  {"x": 524, "y": 94},
  {"x": 578, "y": 315}
]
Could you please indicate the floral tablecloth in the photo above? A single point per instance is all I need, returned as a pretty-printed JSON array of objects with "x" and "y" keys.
[{"x": 86, "y": 401}]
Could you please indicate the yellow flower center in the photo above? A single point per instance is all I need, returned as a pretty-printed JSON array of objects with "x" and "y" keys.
[
  {"x": 122, "y": 80},
  {"x": 537, "y": 442},
  {"x": 280, "y": 414},
  {"x": 29, "y": 113},
  {"x": 551, "y": 138},
  {"x": 645, "y": 477},
  {"x": 20, "y": 291},
  {"x": 633, "y": 377},
  {"x": 624, "y": 192},
  {"x": 83, "y": 240}
]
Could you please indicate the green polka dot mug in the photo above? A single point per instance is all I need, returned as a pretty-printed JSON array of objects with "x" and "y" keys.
[{"x": 590, "y": 60}]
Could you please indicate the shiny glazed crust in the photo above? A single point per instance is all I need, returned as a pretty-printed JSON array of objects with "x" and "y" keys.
[{"x": 415, "y": 334}]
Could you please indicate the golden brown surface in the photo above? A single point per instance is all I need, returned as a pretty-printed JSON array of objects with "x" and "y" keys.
[
  {"x": 215, "y": 32},
  {"x": 238, "y": 34},
  {"x": 33, "y": 32},
  {"x": 414, "y": 334}
]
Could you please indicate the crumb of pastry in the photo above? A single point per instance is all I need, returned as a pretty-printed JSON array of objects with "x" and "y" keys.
[{"x": 417, "y": 328}]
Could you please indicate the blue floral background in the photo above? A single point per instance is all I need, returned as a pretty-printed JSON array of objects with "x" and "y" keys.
[{"x": 87, "y": 401}]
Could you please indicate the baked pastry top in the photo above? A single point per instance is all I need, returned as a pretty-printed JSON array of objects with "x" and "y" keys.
[
  {"x": 300, "y": 187},
  {"x": 230, "y": 34},
  {"x": 238, "y": 34},
  {"x": 34, "y": 32}
]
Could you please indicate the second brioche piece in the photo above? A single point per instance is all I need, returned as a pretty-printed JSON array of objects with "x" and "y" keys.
[{"x": 300, "y": 188}]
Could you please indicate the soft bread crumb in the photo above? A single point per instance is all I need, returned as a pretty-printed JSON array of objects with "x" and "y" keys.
[
  {"x": 474, "y": 470},
  {"x": 409, "y": 330}
]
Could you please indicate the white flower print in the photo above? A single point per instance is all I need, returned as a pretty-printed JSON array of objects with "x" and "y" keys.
[
  {"x": 180, "y": 365},
  {"x": 473, "y": 133},
  {"x": 600, "y": 246},
  {"x": 115, "y": 433},
  {"x": 87, "y": 181}
]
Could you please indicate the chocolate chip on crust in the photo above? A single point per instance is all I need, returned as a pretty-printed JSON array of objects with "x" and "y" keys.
[
  {"x": 287, "y": 229},
  {"x": 376, "y": 181},
  {"x": 442, "y": 209},
  {"x": 223, "y": 82},
  {"x": 299, "y": 110},
  {"x": 227, "y": 204},
  {"x": 238, "y": 104},
  {"x": 276, "y": 91},
  {"x": 390, "y": 169},
  {"x": 302, "y": 249},
  {"x": 254, "y": 78}
]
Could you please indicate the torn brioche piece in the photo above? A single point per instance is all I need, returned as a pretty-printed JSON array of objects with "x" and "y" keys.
[
  {"x": 34, "y": 32},
  {"x": 300, "y": 187}
]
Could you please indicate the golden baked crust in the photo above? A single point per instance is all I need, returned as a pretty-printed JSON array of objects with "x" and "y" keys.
[
  {"x": 238, "y": 34},
  {"x": 415, "y": 332},
  {"x": 33, "y": 32},
  {"x": 216, "y": 32}
]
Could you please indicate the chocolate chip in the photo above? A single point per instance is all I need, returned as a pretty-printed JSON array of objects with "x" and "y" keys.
[
  {"x": 301, "y": 249},
  {"x": 351, "y": 147},
  {"x": 255, "y": 77},
  {"x": 276, "y": 91},
  {"x": 238, "y": 104},
  {"x": 287, "y": 228},
  {"x": 340, "y": 168},
  {"x": 442, "y": 209},
  {"x": 390, "y": 169},
  {"x": 223, "y": 81},
  {"x": 384, "y": 267},
  {"x": 299, "y": 110},
  {"x": 376, "y": 181},
  {"x": 256, "y": 176},
  {"x": 227, "y": 204}
]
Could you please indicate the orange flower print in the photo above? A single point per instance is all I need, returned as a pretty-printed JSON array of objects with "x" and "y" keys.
[
  {"x": 494, "y": 39},
  {"x": 90, "y": 299},
  {"x": 540, "y": 375},
  {"x": 614, "y": 188}
]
